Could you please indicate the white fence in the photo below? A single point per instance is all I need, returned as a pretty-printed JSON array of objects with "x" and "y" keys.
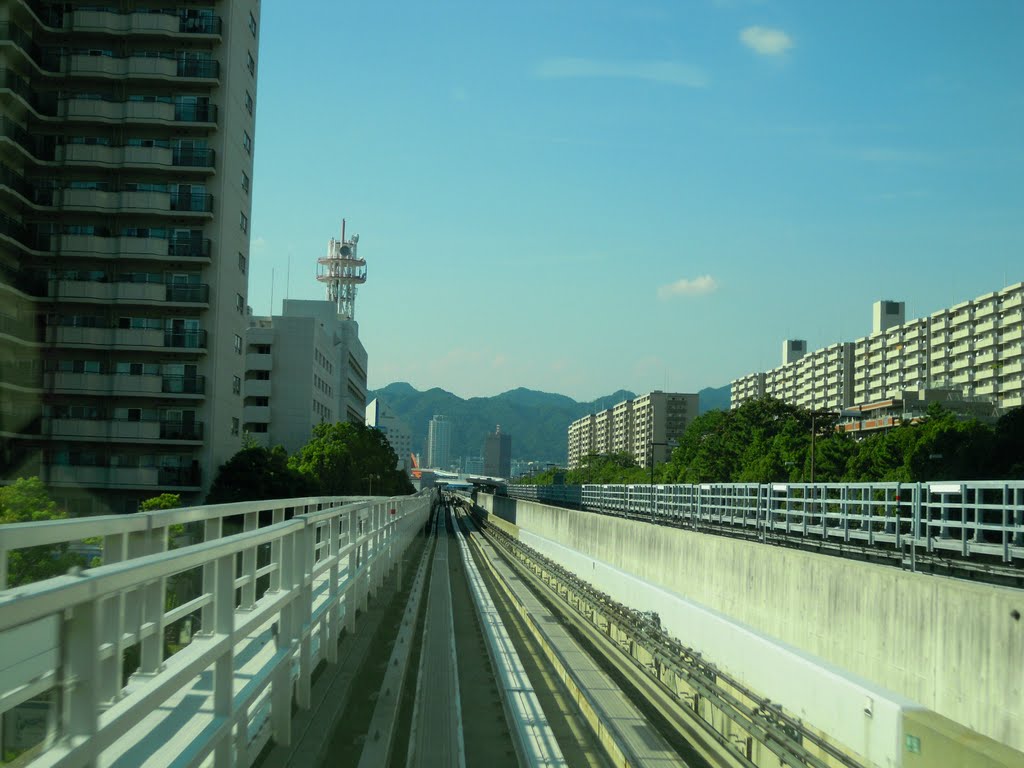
[
  {"x": 969, "y": 518},
  {"x": 269, "y": 601}
]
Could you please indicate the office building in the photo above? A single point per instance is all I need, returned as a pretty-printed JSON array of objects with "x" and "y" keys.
[
  {"x": 304, "y": 367},
  {"x": 646, "y": 428},
  {"x": 379, "y": 416},
  {"x": 127, "y": 156},
  {"x": 971, "y": 351},
  {"x": 439, "y": 442},
  {"x": 498, "y": 454}
]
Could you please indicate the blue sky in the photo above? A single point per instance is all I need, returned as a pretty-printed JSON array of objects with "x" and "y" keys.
[{"x": 583, "y": 196}]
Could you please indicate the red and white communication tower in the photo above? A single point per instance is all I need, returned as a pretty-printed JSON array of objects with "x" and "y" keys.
[{"x": 342, "y": 270}]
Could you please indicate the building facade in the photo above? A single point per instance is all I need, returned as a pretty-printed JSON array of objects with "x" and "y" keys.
[
  {"x": 498, "y": 454},
  {"x": 439, "y": 442},
  {"x": 127, "y": 157},
  {"x": 973, "y": 350},
  {"x": 645, "y": 428},
  {"x": 397, "y": 432},
  {"x": 304, "y": 367}
]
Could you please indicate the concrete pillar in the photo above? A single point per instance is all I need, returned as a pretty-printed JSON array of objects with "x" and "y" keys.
[{"x": 223, "y": 667}]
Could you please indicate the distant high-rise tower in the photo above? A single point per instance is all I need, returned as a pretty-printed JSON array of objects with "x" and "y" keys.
[
  {"x": 498, "y": 454},
  {"x": 439, "y": 442},
  {"x": 341, "y": 270}
]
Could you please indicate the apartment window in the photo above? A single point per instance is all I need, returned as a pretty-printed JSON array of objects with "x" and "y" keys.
[
  {"x": 247, "y": 141},
  {"x": 238, "y": 344},
  {"x": 236, "y": 385},
  {"x": 240, "y": 303},
  {"x": 248, "y": 102},
  {"x": 234, "y": 425},
  {"x": 241, "y": 262},
  {"x": 243, "y": 222},
  {"x": 245, "y": 182},
  {"x": 252, "y": 24},
  {"x": 250, "y": 63}
]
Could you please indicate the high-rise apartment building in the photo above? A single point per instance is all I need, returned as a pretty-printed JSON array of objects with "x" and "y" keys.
[
  {"x": 645, "y": 428},
  {"x": 974, "y": 349},
  {"x": 498, "y": 454},
  {"x": 126, "y": 156},
  {"x": 397, "y": 432},
  {"x": 439, "y": 442}
]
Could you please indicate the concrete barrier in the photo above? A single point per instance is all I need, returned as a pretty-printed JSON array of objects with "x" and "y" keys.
[{"x": 950, "y": 645}]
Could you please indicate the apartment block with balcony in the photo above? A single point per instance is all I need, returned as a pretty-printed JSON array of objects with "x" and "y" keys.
[
  {"x": 125, "y": 177},
  {"x": 581, "y": 439},
  {"x": 974, "y": 350},
  {"x": 745, "y": 388},
  {"x": 644, "y": 427}
]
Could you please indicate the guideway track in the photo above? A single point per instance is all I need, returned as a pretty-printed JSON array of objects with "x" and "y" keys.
[
  {"x": 624, "y": 732},
  {"x": 679, "y": 680}
]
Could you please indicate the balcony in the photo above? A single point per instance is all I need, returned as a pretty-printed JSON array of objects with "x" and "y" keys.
[
  {"x": 126, "y": 337},
  {"x": 257, "y": 388},
  {"x": 141, "y": 24},
  {"x": 1011, "y": 336},
  {"x": 102, "y": 429},
  {"x": 1013, "y": 301},
  {"x": 193, "y": 339},
  {"x": 103, "y": 383},
  {"x": 122, "y": 477},
  {"x": 984, "y": 310},
  {"x": 183, "y": 385},
  {"x": 127, "y": 292},
  {"x": 985, "y": 342},
  {"x": 960, "y": 333},
  {"x": 256, "y": 414},
  {"x": 143, "y": 157},
  {"x": 960, "y": 318},
  {"x": 121, "y": 67},
  {"x": 255, "y": 361},
  {"x": 195, "y": 113},
  {"x": 90, "y": 246},
  {"x": 181, "y": 430},
  {"x": 192, "y": 202}
]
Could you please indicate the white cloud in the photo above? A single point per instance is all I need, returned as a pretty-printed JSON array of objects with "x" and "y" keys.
[
  {"x": 766, "y": 41},
  {"x": 698, "y": 286},
  {"x": 669, "y": 72}
]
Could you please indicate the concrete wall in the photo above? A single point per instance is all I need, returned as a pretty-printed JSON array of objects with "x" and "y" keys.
[{"x": 950, "y": 645}]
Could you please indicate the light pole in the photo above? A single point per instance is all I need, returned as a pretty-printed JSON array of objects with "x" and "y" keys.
[{"x": 650, "y": 454}]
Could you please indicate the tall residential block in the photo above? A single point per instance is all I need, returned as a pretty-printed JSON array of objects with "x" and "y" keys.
[
  {"x": 645, "y": 428},
  {"x": 498, "y": 454},
  {"x": 973, "y": 350},
  {"x": 439, "y": 442},
  {"x": 126, "y": 172}
]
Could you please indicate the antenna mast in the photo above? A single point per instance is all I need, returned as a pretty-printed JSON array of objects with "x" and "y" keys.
[{"x": 341, "y": 270}]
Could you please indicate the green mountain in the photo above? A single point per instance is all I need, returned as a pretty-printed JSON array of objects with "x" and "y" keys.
[{"x": 537, "y": 421}]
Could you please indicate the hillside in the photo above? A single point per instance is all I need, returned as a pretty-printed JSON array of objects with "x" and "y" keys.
[{"x": 537, "y": 421}]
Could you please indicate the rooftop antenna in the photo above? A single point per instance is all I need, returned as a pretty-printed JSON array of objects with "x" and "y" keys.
[
  {"x": 341, "y": 270},
  {"x": 271, "y": 291}
]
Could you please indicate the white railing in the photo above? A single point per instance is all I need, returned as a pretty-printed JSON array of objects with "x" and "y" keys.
[
  {"x": 966, "y": 518},
  {"x": 269, "y": 603}
]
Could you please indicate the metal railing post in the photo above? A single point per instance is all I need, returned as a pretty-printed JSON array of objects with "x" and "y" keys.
[
  {"x": 223, "y": 667},
  {"x": 212, "y": 529},
  {"x": 248, "y": 597},
  {"x": 80, "y": 672}
]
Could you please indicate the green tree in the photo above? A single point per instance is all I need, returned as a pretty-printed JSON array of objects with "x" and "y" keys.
[
  {"x": 346, "y": 459},
  {"x": 255, "y": 473},
  {"x": 163, "y": 501},
  {"x": 26, "y": 500}
]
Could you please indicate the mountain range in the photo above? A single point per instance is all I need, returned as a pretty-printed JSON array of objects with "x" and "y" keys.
[{"x": 537, "y": 421}]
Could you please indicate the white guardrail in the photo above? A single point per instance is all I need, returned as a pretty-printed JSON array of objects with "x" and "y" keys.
[
  {"x": 269, "y": 601},
  {"x": 968, "y": 518}
]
